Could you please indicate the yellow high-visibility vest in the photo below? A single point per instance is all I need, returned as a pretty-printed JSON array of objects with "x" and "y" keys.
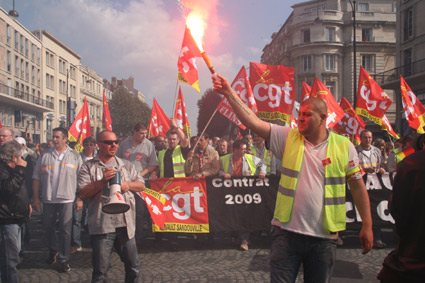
[
  {"x": 251, "y": 164},
  {"x": 178, "y": 162},
  {"x": 335, "y": 176},
  {"x": 267, "y": 157}
]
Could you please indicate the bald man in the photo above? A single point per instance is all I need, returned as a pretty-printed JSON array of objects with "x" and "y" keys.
[{"x": 310, "y": 204}]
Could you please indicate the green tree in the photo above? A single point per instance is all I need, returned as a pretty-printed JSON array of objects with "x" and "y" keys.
[
  {"x": 126, "y": 111},
  {"x": 219, "y": 125}
]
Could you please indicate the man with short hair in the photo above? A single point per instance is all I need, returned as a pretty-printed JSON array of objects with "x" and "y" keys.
[
  {"x": 109, "y": 231},
  {"x": 6, "y": 135},
  {"x": 160, "y": 144},
  {"x": 222, "y": 147},
  {"x": 55, "y": 177},
  {"x": 370, "y": 161},
  {"x": 259, "y": 150},
  {"x": 202, "y": 160},
  {"x": 141, "y": 152},
  {"x": 240, "y": 163},
  {"x": 310, "y": 204},
  {"x": 14, "y": 208}
]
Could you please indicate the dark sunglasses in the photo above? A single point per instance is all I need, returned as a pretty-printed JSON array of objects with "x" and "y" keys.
[{"x": 109, "y": 142}]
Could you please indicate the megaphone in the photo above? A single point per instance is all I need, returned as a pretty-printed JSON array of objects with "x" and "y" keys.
[{"x": 113, "y": 200}]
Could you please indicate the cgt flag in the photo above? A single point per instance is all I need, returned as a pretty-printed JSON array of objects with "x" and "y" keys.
[
  {"x": 413, "y": 108},
  {"x": 187, "y": 69},
  {"x": 181, "y": 115},
  {"x": 106, "y": 118},
  {"x": 80, "y": 128},
  {"x": 351, "y": 124},
  {"x": 159, "y": 123},
  {"x": 335, "y": 112},
  {"x": 305, "y": 91},
  {"x": 372, "y": 101},
  {"x": 274, "y": 90},
  {"x": 386, "y": 125},
  {"x": 242, "y": 88},
  {"x": 155, "y": 203}
]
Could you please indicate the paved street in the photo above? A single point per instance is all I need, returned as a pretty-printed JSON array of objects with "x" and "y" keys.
[{"x": 192, "y": 261}]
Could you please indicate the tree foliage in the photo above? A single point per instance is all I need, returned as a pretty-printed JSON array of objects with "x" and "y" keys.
[
  {"x": 219, "y": 125},
  {"x": 126, "y": 111}
]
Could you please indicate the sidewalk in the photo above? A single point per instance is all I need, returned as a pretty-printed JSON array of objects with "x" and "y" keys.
[{"x": 219, "y": 261}]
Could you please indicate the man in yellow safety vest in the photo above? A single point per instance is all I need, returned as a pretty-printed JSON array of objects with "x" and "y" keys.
[{"x": 310, "y": 204}]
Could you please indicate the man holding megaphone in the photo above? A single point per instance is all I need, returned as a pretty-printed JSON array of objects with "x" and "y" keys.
[{"x": 107, "y": 183}]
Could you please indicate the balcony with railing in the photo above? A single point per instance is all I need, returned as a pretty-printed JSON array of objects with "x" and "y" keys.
[
  {"x": 406, "y": 71},
  {"x": 7, "y": 91}
]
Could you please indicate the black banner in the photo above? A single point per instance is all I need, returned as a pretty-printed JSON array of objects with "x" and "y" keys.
[{"x": 241, "y": 203}]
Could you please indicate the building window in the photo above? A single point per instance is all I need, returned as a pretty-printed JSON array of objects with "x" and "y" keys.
[
  {"x": 307, "y": 63},
  {"x": 330, "y": 34},
  {"x": 363, "y": 7},
  {"x": 9, "y": 34},
  {"x": 407, "y": 62},
  {"x": 38, "y": 56},
  {"x": 32, "y": 52},
  {"x": 9, "y": 61},
  {"x": 305, "y": 35},
  {"x": 22, "y": 44},
  {"x": 330, "y": 62},
  {"x": 331, "y": 86},
  {"x": 367, "y": 34},
  {"x": 27, "y": 72},
  {"x": 368, "y": 62},
  {"x": 16, "y": 66},
  {"x": 22, "y": 69},
  {"x": 32, "y": 74},
  {"x": 26, "y": 47},
  {"x": 408, "y": 24},
  {"x": 16, "y": 40}
]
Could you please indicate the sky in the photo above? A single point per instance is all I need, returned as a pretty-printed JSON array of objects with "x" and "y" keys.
[{"x": 142, "y": 38}]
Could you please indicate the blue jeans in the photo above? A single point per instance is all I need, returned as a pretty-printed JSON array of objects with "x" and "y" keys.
[
  {"x": 63, "y": 243},
  {"x": 289, "y": 250},
  {"x": 102, "y": 250},
  {"x": 76, "y": 227},
  {"x": 10, "y": 245}
]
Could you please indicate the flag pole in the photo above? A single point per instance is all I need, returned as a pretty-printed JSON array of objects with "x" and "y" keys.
[
  {"x": 175, "y": 98},
  {"x": 206, "y": 126}
]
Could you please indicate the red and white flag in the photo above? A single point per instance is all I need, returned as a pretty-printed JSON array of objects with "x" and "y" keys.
[
  {"x": 80, "y": 128},
  {"x": 274, "y": 90},
  {"x": 187, "y": 69},
  {"x": 335, "y": 112},
  {"x": 372, "y": 101},
  {"x": 387, "y": 127},
  {"x": 413, "y": 108},
  {"x": 351, "y": 125},
  {"x": 181, "y": 115},
  {"x": 106, "y": 118},
  {"x": 155, "y": 203},
  {"x": 159, "y": 123},
  {"x": 305, "y": 91},
  {"x": 242, "y": 88}
]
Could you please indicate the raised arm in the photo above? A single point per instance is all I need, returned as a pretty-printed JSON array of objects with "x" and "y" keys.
[{"x": 245, "y": 115}]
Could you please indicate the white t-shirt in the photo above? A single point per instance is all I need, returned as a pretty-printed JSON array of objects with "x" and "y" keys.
[{"x": 307, "y": 212}]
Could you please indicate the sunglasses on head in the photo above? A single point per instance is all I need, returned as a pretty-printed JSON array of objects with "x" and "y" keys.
[{"x": 109, "y": 142}]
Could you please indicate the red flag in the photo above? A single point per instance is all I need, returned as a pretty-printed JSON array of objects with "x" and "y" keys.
[
  {"x": 188, "y": 71},
  {"x": 351, "y": 124},
  {"x": 400, "y": 155},
  {"x": 305, "y": 91},
  {"x": 181, "y": 115},
  {"x": 387, "y": 127},
  {"x": 372, "y": 101},
  {"x": 242, "y": 87},
  {"x": 155, "y": 203},
  {"x": 413, "y": 108},
  {"x": 1, "y": 126},
  {"x": 106, "y": 118},
  {"x": 80, "y": 128},
  {"x": 335, "y": 112},
  {"x": 159, "y": 123},
  {"x": 274, "y": 90}
]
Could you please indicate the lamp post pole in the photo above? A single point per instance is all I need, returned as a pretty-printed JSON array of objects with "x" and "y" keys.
[
  {"x": 353, "y": 8},
  {"x": 68, "y": 101}
]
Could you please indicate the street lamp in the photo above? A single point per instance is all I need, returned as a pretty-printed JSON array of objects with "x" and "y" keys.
[
  {"x": 353, "y": 8},
  {"x": 68, "y": 97}
]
